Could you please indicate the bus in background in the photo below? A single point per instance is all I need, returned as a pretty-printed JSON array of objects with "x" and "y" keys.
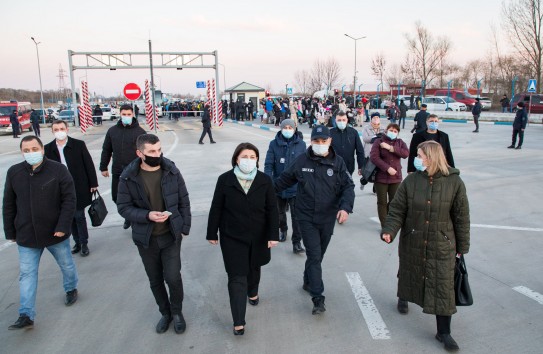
[{"x": 23, "y": 113}]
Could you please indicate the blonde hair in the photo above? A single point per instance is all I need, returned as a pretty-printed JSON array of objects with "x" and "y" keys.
[{"x": 435, "y": 158}]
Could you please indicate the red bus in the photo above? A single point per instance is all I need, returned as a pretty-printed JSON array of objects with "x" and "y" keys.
[{"x": 23, "y": 112}]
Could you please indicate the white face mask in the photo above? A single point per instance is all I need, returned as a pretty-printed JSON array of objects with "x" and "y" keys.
[
  {"x": 247, "y": 165},
  {"x": 61, "y": 135},
  {"x": 320, "y": 149},
  {"x": 341, "y": 125}
]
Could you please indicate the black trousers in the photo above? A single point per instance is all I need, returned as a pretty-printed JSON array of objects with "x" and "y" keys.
[
  {"x": 239, "y": 288},
  {"x": 15, "y": 129},
  {"x": 282, "y": 208},
  {"x": 316, "y": 239},
  {"x": 162, "y": 262},
  {"x": 80, "y": 232},
  {"x": 476, "y": 121},
  {"x": 207, "y": 130},
  {"x": 520, "y": 134},
  {"x": 114, "y": 186},
  {"x": 443, "y": 324},
  {"x": 401, "y": 119},
  {"x": 36, "y": 128}
]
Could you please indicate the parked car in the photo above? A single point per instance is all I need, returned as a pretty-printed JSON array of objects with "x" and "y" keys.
[
  {"x": 486, "y": 103},
  {"x": 443, "y": 103},
  {"x": 459, "y": 96},
  {"x": 535, "y": 107},
  {"x": 68, "y": 116}
]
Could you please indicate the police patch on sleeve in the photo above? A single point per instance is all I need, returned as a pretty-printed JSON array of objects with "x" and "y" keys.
[{"x": 330, "y": 172}]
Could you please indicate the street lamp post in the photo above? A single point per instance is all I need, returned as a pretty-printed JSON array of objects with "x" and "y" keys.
[
  {"x": 379, "y": 94},
  {"x": 342, "y": 90},
  {"x": 479, "y": 88},
  {"x": 354, "y": 78},
  {"x": 448, "y": 94},
  {"x": 512, "y": 93},
  {"x": 39, "y": 73},
  {"x": 224, "y": 76},
  {"x": 398, "y": 96}
]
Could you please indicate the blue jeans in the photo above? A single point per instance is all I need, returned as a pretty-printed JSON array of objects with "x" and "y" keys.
[{"x": 29, "y": 261}]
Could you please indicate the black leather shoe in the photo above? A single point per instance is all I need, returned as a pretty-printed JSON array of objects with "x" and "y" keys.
[
  {"x": 518, "y": 147},
  {"x": 297, "y": 248},
  {"x": 213, "y": 142},
  {"x": 476, "y": 131},
  {"x": 201, "y": 143},
  {"x": 511, "y": 147},
  {"x": 71, "y": 297},
  {"x": 179, "y": 324},
  {"x": 282, "y": 236},
  {"x": 255, "y": 301},
  {"x": 164, "y": 323},
  {"x": 403, "y": 306},
  {"x": 126, "y": 224},
  {"x": 22, "y": 322},
  {"x": 318, "y": 305},
  {"x": 84, "y": 250},
  {"x": 448, "y": 341},
  {"x": 76, "y": 248},
  {"x": 239, "y": 332}
]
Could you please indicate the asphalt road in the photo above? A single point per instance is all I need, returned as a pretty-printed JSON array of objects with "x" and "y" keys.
[{"x": 116, "y": 312}]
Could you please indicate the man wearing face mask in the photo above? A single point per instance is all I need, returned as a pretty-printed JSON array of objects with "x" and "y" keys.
[
  {"x": 73, "y": 154},
  {"x": 282, "y": 152},
  {"x": 154, "y": 198},
  {"x": 325, "y": 193},
  {"x": 38, "y": 208},
  {"x": 120, "y": 143},
  {"x": 346, "y": 143},
  {"x": 431, "y": 133}
]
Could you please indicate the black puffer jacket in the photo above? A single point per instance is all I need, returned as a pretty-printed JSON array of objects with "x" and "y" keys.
[
  {"x": 134, "y": 206},
  {"x": 38, "y": 203},
  {"x": 324, "y": 186},
  {"x": 120, "y": 142}
]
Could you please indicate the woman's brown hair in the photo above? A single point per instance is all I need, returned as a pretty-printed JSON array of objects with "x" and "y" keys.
[{"x": 240, "y": 148}]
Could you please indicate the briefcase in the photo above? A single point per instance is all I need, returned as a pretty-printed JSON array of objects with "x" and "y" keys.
[{"x": 97, "y": 209}]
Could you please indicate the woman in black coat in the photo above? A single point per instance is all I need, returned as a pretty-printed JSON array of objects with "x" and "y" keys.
[{"x": 244, "y": 212}]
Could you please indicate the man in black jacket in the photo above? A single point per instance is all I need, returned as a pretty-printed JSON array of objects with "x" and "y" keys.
[
  {"x": 73, "y": 153},
  {"x": 35, "y": 121},
  {"x": 346, "y": 143},
  {"x": 476, "y": 112},
  {"x": 325, "y": 193},
  {"x": 420, "y": 119},
  {"x": 431, "y": 133},
  {"x": 519, "y": 124},
  {"x": 120, "y": 142},
  {"x": 38, "y": 208},
  {"x": 154, "y": 198},
  {"x": 206, "y": 122},
  {"x": 14, "y": 120}
]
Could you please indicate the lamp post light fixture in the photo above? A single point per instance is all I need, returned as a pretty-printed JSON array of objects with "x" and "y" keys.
[
  {"x": 354, "y": 78},
  {"x": 39, "y": 73}
]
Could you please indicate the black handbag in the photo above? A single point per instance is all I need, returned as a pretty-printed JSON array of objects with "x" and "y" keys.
[
  {"x": 369, "y": 171},
  {"x": 462, "y": 291},
  {"x": 97, "y": 209}
]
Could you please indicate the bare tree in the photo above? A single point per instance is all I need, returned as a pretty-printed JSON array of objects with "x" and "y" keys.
[
  {"x": 324, "y": 73},
  {"x": 522, "y": 21},
  {"x": 332, "y": 72},
  {"x": 303, "y": 80},
  {"x": 427, "y": 52},
  {"x": 378, "y": 66}
]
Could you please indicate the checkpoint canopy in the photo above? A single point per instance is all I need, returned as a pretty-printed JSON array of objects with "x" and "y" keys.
[{"x": 246, "y": 92}]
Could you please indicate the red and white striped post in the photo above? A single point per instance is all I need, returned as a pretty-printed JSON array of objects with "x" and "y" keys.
[
  {"x": 148, "y": 107},
  {"x": 209, "y": 100},
  {"x": 82, "y": 110},
  {"x": 214, "y": 101}
]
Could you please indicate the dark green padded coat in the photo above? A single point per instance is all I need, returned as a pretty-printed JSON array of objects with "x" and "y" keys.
[{"x": 433, "y": 215}]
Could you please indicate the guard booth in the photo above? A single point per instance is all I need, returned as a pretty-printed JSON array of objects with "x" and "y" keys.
[{"x": 246, "y": 92}]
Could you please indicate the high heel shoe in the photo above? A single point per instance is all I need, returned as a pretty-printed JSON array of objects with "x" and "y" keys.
[
  {"x": 239, "y": 332},
  {"x": 254, "y": 302}
]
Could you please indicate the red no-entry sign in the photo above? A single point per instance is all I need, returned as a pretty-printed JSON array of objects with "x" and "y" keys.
[{"x": 132, "y": 91}]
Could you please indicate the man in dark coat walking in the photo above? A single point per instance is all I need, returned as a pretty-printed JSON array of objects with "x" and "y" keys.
[
  {"x": 431, "y": 133},
  {"x": 73, "y": 153},
  {"x": 14, "y": 120},
  {"x": 38, "y": 208},
  {"x": 346, "y": 143},
  {"x": 476, "y": 112},
  {"x": 154, "y": 198},
  {"x": 325, "y": 193},
  {"x": 420, "y": 119},
  {"x": 519, "y": 124},
  {"x": 120, "y": 142},
  {"x": 403, "y": 113},
  {"x": 35, "y": 121},
  {"x": 206, "y": 122}
]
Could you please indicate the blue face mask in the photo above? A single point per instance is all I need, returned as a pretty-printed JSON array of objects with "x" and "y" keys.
[
  {"x": 418, "y": 164},
  {"x": 33, "y": 158},
  {"x": 433, "y": 125},
  {"x": 126, "y": 120},
  {"x": 287, "y": 133},
  {"x": 341, "y": 125},
  {"x": 392, "y": 135}
]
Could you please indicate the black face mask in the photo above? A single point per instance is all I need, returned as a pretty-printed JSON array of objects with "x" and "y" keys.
[{"x": 153, "y": 161}]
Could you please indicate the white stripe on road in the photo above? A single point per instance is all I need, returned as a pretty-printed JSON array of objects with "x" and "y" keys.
[
  {"x": 483, "y": 226},
  {"x": 6, "y": 245},
  {"x": 529, "y": 293},
  {"x": 376, "y": 325}
]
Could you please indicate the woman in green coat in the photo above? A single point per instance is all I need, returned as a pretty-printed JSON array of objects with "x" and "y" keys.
[{"x": 431, "y": 209}]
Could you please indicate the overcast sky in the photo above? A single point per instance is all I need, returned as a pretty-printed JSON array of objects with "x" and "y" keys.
[{"x": 261, "y": 42}]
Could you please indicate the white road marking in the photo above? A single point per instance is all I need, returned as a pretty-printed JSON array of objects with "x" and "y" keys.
[
  {"x": 10, "y": 152},
  {"x": 483, "y": 226},
  {"x": 529, "y": 293},
  {"x": 253, "y": 133},
  {"x": 376, "y": 325},
  {"x": 6, "y": 245}
]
